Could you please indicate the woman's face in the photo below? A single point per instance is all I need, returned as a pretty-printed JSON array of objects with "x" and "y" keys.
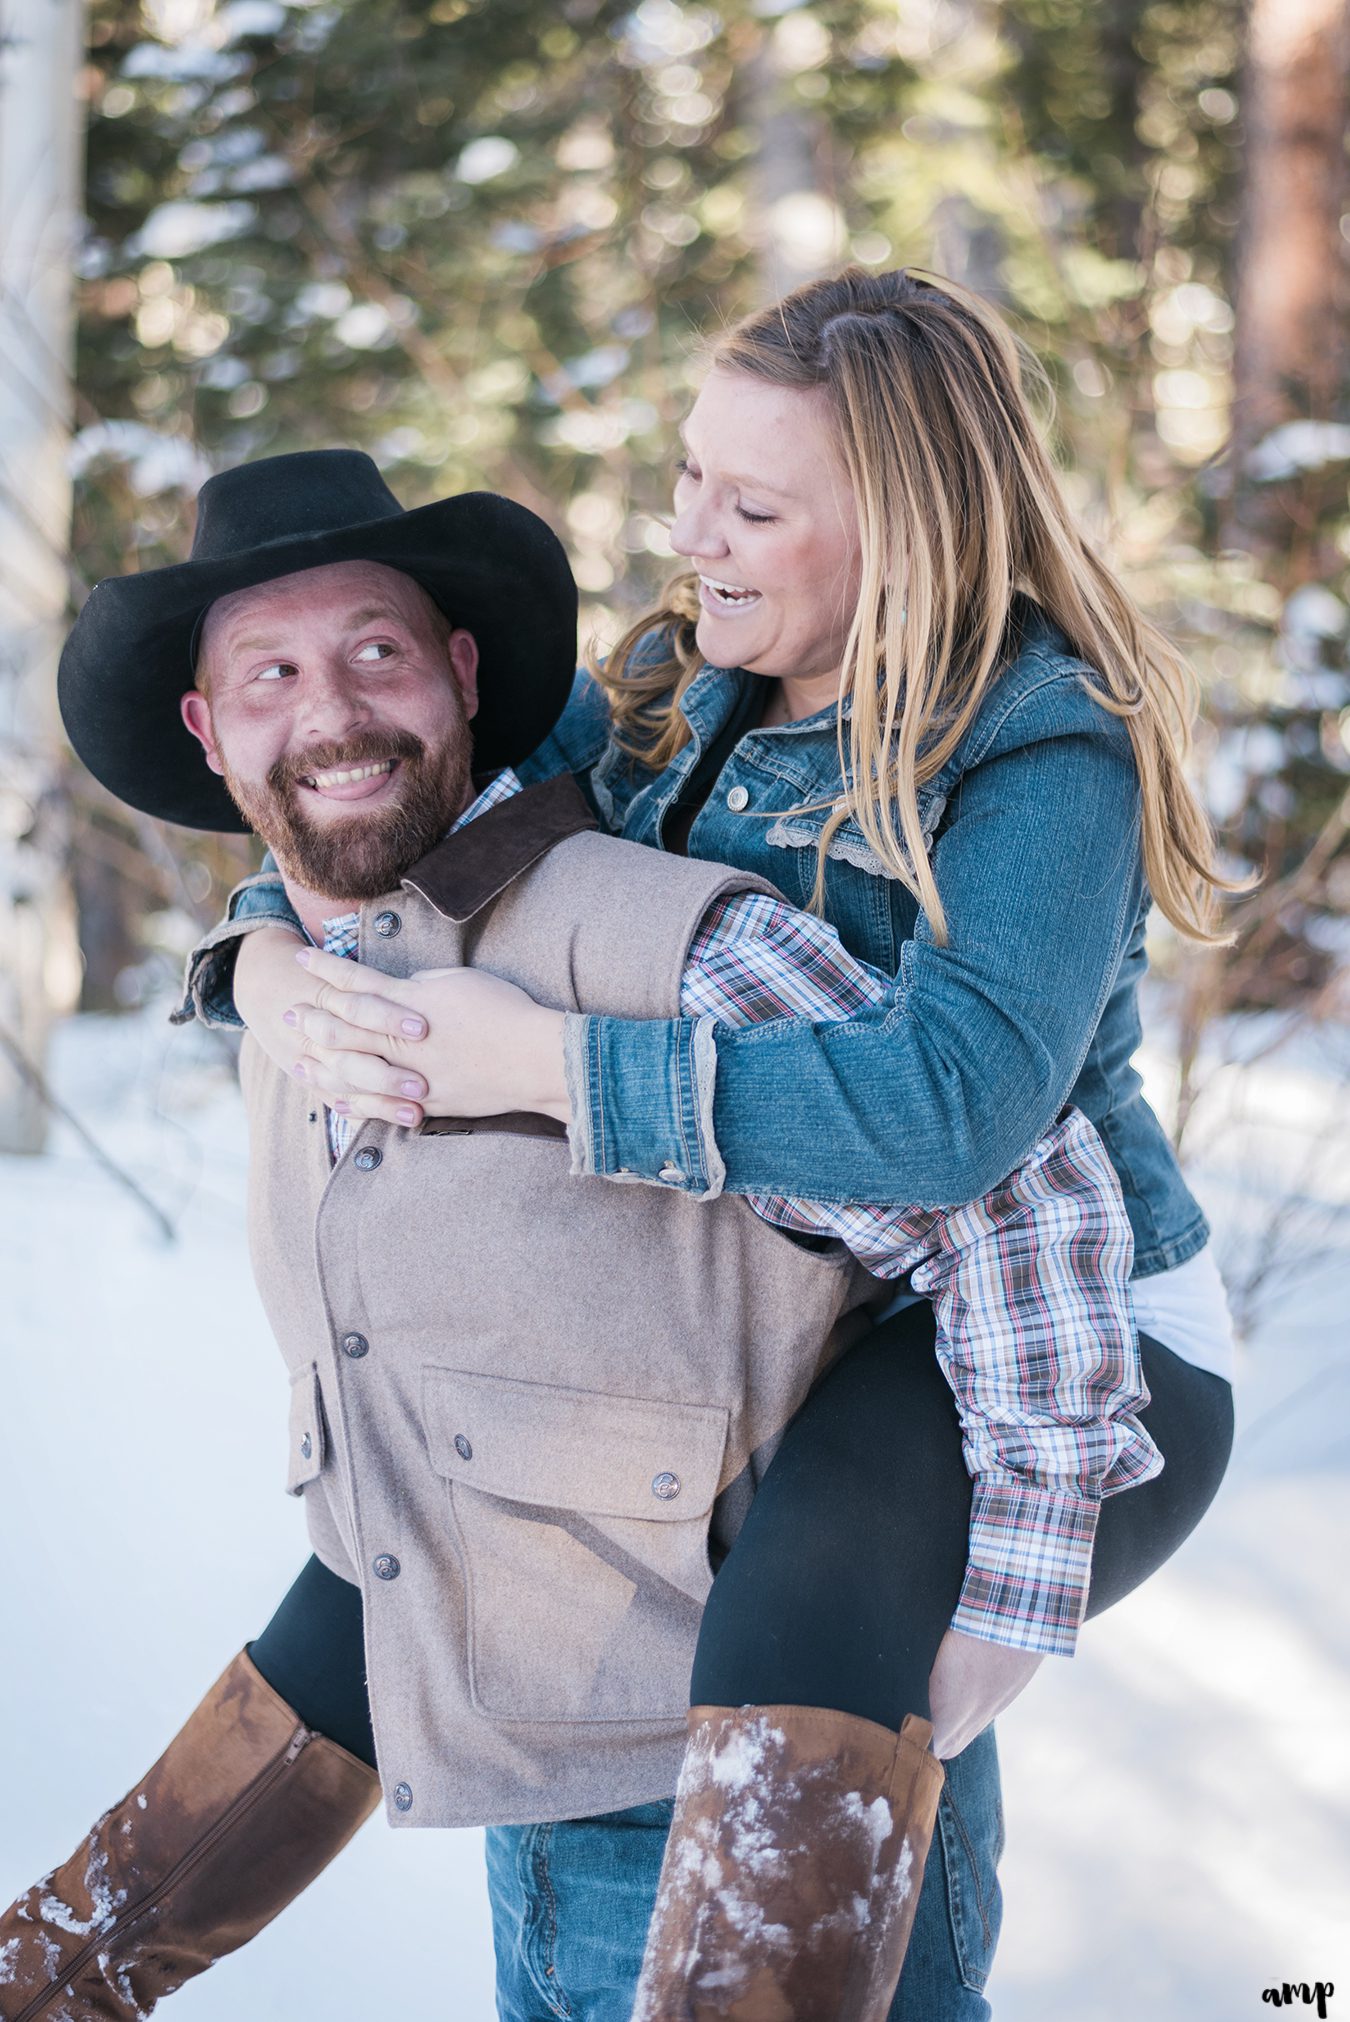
[{"x": 765, "y": 513}]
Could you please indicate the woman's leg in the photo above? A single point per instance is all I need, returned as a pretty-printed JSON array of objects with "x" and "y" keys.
[
  {"x": 313, "y": 1653},
  {"x": 847, "y": 1572},
  {"x": 1190, "y": 1417},
  {"x": 848, "y": 1569},
  {"x": 851, "y": 1616},
  {"x": 809, "y": 1722},
  {"x": 249, "y": 1802}
]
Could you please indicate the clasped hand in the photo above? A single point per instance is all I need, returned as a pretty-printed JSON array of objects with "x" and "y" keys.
[{"x": 443, "y": 1042}]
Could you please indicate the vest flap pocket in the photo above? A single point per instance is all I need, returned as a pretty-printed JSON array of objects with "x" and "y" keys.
[
  {"x": 587, "y": 1450},
  {"x": 304, "y": 1453},
  {"x": 581, "y": 1522}
]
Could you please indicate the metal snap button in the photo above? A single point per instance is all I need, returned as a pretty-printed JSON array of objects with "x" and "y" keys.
[
  {"x": 388, "y": 924},
  {"x": 670, "y": 1172},
  {"x": 355, "y": 1345},
  {"x": 738, "y": 799},
  {"x": 367, "y": 1158},
  {"x": 462, "y": 1447},
  {"x": 403, "y": 1798},
  {"x": 666, "y": 1486},
  {"x": 387, "y": 1567},
  {"x": 306, "y": 1447}
]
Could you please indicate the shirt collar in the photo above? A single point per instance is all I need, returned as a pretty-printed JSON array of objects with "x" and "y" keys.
[{"x": 503, "y": 786}]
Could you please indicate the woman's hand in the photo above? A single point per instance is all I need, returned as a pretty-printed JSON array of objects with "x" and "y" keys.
[
  {"x": 444, "y": 1042},
  {"x": 265, "y": 987},
  {"x": 970, "y": 1683}
]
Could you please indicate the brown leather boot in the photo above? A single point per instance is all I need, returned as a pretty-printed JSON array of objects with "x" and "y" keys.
[
  {"x": 243, "y": 1809},
  {"x": 792, "y": 1873}
]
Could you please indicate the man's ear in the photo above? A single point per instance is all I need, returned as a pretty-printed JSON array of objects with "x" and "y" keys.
[
  {"x": 197, "y": 716},
  {"x": 463, "y": 649}
]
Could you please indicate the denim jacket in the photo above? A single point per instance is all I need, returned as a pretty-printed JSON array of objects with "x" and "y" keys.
[
  {"x": 1033, "y": 827},
  {"x": 1034, "y": 834}
]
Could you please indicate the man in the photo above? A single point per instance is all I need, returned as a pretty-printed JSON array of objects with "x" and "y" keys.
[{"x": 519, "y": 1506}]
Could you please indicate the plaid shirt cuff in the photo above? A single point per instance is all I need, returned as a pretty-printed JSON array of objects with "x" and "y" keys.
[{"x": 1030, "y": 1560}]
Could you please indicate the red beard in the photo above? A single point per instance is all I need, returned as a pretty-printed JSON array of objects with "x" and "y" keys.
[{"x": 355, "y": 854}]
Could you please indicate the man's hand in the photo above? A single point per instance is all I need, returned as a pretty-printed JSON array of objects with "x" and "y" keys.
[
  {"x": 972, "y": 1681},
  {"x": 445, "y": 1042}
]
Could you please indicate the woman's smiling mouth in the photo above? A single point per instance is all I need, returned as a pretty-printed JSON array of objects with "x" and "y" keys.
[{"x": 725, "y": 597}]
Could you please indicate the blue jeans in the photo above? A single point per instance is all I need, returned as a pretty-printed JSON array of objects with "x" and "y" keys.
[{"x": 571, "y": 1902}]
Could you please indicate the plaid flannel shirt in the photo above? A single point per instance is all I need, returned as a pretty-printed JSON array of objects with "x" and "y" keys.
[{"x": 1029, "y": 1284}]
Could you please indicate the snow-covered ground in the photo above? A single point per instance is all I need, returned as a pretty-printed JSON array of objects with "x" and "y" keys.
[{"x": 1178, "y": 1796}]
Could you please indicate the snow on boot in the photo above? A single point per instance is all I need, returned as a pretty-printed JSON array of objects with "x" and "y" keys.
[
  {"x": 792, "y": 1872},
  {"x": 244, "y": 1808}
]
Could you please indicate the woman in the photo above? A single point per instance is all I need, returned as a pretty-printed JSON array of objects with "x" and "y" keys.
[
  {"x": 899, "y": 685},
  {"x": 948, "y": 728}
]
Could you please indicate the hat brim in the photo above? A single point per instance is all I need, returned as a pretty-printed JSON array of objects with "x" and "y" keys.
[{"x": 491, "y": 566}]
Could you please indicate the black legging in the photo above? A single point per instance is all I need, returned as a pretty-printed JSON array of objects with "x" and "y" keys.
[
  {"x": 848, "y": 1568},
  {"x": 313, "y": 1653}
]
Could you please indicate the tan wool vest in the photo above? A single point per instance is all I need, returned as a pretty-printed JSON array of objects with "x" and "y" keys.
[{"x": 525, "y": 1406}]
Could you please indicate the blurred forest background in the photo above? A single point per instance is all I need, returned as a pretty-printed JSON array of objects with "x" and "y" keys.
[{"x": 480, "y": 238}]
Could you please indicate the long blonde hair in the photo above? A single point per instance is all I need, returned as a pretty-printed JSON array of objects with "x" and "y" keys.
[{"x": 958, "y": 508}]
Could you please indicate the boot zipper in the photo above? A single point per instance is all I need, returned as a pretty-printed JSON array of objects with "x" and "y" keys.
[{"x": 126, "y": 1918}]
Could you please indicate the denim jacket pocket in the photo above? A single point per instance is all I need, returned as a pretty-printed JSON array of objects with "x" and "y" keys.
[
  {"x": 617, "y": 778},
  {"x": 802, "y": 828},
  {"x": 847, "y": 845},
  {"x": 860, "y": 890}
]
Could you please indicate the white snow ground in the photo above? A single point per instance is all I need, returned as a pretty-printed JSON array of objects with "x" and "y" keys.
[{"x": 1178, "y": 1796}]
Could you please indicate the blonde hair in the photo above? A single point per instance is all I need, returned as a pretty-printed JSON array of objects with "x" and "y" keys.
[{"x": 958, "y": 508}]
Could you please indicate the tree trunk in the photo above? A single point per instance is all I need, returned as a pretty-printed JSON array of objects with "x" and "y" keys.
[
  {"x": 798, "y": 225},
  {"x": 41, "y": 51},
  {"x": 1292, "y": 295},
  {"x": 1122, "y": 74},
  {"x": 967, "y": 244}
]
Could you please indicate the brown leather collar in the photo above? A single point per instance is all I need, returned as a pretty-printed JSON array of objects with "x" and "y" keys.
[{"x": 475, "y": 865}]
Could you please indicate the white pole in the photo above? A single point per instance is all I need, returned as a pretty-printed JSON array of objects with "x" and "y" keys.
[{"x": 41, "y": 136}]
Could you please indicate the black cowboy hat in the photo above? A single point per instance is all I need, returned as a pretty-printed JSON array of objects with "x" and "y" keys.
[{"x": 493, "y": 567}]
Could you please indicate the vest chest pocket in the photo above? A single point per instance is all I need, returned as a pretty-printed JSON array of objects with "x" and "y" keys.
[
  {"x": 581, "y": 1520},
  {"x": 305, "y": 1437}
]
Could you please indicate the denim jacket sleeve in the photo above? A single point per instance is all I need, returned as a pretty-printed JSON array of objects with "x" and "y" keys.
[
  {"x": 944, "y": 1088},
  {"x": 260, "y": 901},
  {"x": 208, "y": 984}
]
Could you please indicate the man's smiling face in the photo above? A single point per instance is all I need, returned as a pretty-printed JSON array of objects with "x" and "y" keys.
[{"x": 335, "y": 704}]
